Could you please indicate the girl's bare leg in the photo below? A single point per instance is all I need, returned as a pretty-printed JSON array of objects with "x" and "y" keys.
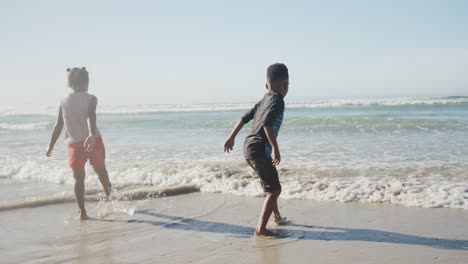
[
  {"x": 79, "y": 176},
  {"x": 104, "y": 179}
]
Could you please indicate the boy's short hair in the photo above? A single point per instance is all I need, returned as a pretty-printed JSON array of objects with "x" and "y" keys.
[
  {"x": 78, "y": 78},
  {"x": 277, "y": 72}
]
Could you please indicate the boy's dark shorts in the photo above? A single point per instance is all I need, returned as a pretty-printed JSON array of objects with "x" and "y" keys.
[{"x": 267, "y": 173}]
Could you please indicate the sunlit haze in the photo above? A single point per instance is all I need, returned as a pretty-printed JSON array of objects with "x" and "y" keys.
[{"x": 184, "y": 52}]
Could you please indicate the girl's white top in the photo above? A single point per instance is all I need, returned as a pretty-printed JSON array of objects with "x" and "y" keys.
[{"x": 75, "y": 112}]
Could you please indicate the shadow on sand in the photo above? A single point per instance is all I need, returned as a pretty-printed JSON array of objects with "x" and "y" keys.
[{"x": 307, "y": 232}]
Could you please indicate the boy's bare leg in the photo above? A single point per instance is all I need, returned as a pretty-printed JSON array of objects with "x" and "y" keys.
[
  {"x": 268, "y": 206},
  {"x": 79, "y": 192},
  {"x": 276, "y": 211},
  {"x": 104, "y": 179}
]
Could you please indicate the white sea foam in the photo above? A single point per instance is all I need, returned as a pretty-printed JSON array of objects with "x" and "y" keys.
[
  {"x": 382, "y": 102},
  {"x": 407, "y": 189},
  {"x": 24, "y": 126}
]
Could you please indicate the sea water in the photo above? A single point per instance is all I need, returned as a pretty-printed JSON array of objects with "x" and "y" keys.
[{"x": 406, "y": 151}]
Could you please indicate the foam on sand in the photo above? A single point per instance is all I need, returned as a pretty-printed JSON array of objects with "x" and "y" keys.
[{"x": 92, "y": 195}]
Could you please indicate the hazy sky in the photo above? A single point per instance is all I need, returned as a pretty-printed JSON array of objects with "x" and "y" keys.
[{"x": 218, "y": 51}]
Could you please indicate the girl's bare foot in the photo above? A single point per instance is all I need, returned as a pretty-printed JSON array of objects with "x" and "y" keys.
[{"x": 265, "y": 232}]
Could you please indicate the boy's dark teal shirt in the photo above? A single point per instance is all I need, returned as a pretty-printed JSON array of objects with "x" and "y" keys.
[{"x": 268, "y": 112}]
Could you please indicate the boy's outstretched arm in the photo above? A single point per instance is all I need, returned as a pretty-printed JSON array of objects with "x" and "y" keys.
[
  {"x": 229, "y": 144},
  {"x": 56, "y": 133},
  {"x": 244, "y": 120},
  {"x": 274, "y": 144}
]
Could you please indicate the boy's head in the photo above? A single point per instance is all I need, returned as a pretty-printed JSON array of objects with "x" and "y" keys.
[
  {"x": 78, "y": 79},
  {"x": 278, "y": 78}
]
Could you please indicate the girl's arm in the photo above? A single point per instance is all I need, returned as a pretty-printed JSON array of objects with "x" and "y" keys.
[
  {"x": 56, "y": 132},
  {"x": 92, "y": 116},
  {"x": 89, "y": 142}
]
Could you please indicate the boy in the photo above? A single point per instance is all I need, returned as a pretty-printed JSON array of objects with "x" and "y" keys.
[
  {"x": 267, "y": 117},
  {"x": 84, "y": 140}
]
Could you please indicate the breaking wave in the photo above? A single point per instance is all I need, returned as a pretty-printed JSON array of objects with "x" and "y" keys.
[
  {"x": 423, "y": 186},
  {"x": 331, "y": 103}
]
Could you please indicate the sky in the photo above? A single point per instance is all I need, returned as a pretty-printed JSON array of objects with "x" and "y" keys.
[{"x": 190, "y": 52}]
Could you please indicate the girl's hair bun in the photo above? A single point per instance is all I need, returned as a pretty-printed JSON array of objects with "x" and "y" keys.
[
  {"x": 83, "y": 68},
  {"x": 68, "y": 70}
]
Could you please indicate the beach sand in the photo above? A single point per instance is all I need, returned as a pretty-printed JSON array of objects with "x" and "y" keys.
[{"x": 217, "y": 228}]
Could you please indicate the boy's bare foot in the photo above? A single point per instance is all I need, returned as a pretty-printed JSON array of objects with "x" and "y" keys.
[
  {"x": 108, "y": 195},
  {"x": 83, "y": 215},
  {"x": 265, "y": 232},
  {"x": 280, "y": 220}
]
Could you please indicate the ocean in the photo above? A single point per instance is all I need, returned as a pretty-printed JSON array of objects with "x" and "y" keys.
[{"x": 403, "y": 151}]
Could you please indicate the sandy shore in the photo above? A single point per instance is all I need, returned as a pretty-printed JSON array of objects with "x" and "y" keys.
[{"x": 215, "y": 228}]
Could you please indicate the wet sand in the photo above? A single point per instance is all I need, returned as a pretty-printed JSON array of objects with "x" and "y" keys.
[{"x": 216, "y": 228}]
